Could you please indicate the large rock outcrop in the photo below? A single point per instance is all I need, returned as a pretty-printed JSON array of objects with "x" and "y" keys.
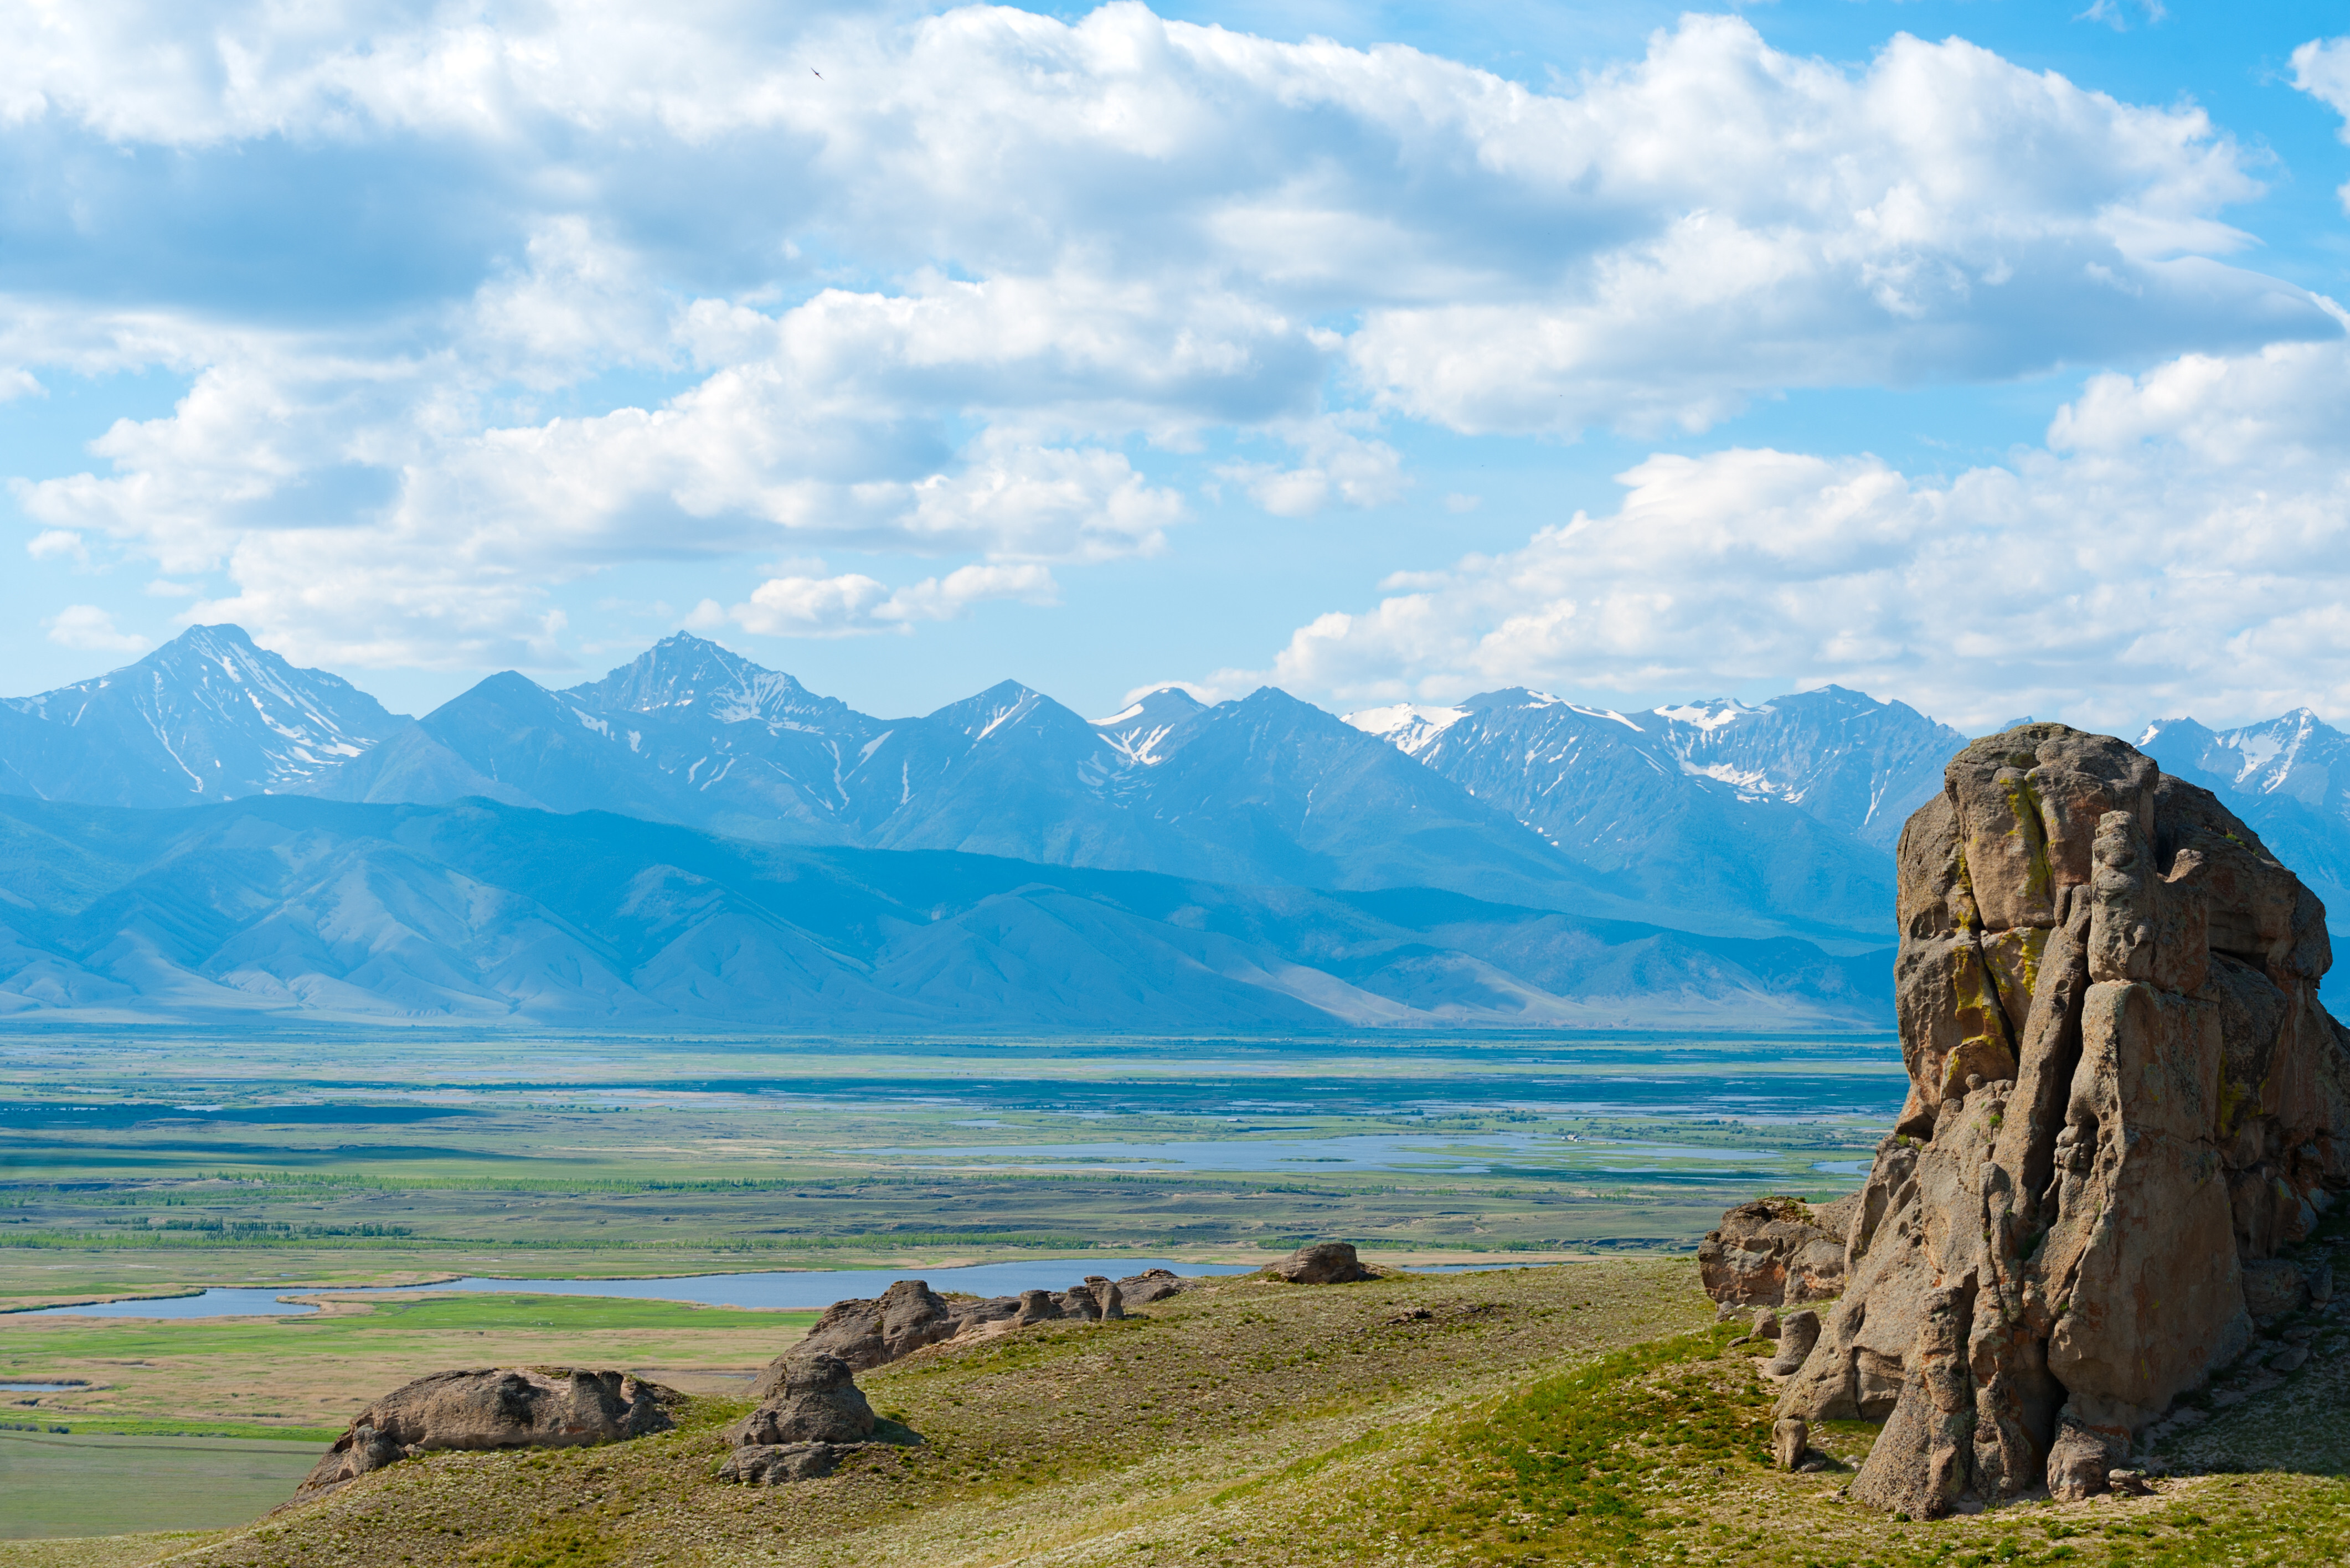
[
  {"x": 1321, "y": 1264},
  {"x": 867, "y": 1334},
  {"x": 811, "y": 1416},
  {"x": 2121, "y": 1091},
  {"x": 498, "y": 1408},
  {"x": 813, "y": 1399}
]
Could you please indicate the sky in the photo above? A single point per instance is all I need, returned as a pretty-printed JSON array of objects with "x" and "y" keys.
[{"x": 1984, "y": 356}]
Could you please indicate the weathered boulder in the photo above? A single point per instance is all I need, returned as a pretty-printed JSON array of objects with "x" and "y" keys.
[
  {"x": 497, "y": 1407},
  {"x": 1798, "y": 1332},
  {"x": 813, "y": 1399},
  {"x": 1776, "y": 1251},
  {"x": 1791, "y": 1439},
  {"x": 1151, "y": 1285},
  {"x": 2273, "y": 1287},
  {"x": 869, "y": 1333},
  {"x": 2123, "y": 1098},
  {"x": 773, "y": 1464},
  {"x": 1321, "y": 1264}
]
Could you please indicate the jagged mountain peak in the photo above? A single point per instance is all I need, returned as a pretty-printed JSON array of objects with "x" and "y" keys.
[
  {"x": 1004, "y": 707},
  {"x": 2296, "y": 754},
  {"x": 209, "y": 715},
  {"x": 683, "y": 673}
]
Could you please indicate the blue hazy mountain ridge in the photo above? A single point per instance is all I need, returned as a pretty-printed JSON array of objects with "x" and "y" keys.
[
  {"x": 1789, "y": 806},
  {"x": 208, "y": 716},
  {"x": 1265, "y": 790},
  {"x": 2288, "y": 778},
  {"x": 1771, "y": 819},
  {"x": 311, "y": 911}
]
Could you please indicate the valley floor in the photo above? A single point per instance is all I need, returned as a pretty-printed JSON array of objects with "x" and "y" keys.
[{"x": 1585, "y": 1415}]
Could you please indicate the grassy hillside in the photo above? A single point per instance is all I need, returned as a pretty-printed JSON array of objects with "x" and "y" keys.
[{"x": 1586, "y": 1414}]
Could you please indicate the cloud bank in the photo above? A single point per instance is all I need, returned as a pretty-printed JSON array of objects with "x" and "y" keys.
[
  {"x": 954, "y": 286},
  {"x": 2182, "y": 541}
]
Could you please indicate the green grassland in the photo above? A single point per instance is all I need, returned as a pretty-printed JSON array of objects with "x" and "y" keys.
[
  {"x": 60, "y": 1486},
  {"x": 306, "y": 1375},
  {"x": 645, "y": 1157},
  {"x": 1589, "y": 1414}
]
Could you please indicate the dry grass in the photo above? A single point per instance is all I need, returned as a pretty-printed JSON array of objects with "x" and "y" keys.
[{"x": 1254, "y": 1423}]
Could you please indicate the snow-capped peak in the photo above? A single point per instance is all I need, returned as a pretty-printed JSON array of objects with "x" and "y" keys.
[{"x": 1410, "y": 727}]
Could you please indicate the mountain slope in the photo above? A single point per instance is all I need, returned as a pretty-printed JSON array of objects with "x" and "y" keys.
[
  {"x": 206, "y": 717},
  {"x": 1616, "y": 794},
  {"x": 1842, "y": 757},
  {"x": 2288, "y": 777},
  {"x": 488, "y": 913}
]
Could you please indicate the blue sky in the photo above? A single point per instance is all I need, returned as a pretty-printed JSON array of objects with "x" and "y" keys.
[{"x": 1984, "y": 356}]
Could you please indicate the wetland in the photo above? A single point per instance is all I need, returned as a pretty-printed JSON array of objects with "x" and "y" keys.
[{"x": 550, "y": 1195}]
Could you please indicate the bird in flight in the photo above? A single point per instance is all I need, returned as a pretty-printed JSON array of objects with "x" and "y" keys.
[{"x": 816, "y": 73}]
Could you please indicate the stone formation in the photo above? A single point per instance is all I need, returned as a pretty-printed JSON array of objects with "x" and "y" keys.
[{"x": 2125, "y": 1100}]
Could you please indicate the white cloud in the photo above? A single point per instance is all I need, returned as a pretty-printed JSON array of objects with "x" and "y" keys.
[
  {"x": 853, "y": 604},
  {"x": 2133, "y": 564},
  {"x": 1042, "y": 240},
  {"x": 1337, "y": 465},
  {"x": 164, "y": 588},
  {"x": 2321, "y": 68},
  {"x": 90, "y": 628},
  {"x": 50, "y": 543}
]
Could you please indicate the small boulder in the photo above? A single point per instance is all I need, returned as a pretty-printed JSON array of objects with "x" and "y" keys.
[
  {"x": 495, "y": 1407},
  {"x": 773, "y": 1464},
  {"x": 1798, "y": 1333},
  {"x": 1038, "y": 1306},
  {"x": 818, "y": 1402},
  {"x": 1790, "y": 1437},
  {"x": 1766, "y": 1324},
  {"x": 2082, "y": 1459},
  {"x": 2273, "y": 1287},
  {"x": 1079, "y": 1302},
  {"x": 1112, "y": 1299},
  {"x": 1322, "y": 1264}
]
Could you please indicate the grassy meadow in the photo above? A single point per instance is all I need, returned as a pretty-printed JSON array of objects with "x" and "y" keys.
[{"x": 1586, "y": 1414}]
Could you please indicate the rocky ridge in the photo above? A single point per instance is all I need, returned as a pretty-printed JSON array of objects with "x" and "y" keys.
[
  {"x": 2125, "y": 1100},
  {"x": 864, "y": 1333}
]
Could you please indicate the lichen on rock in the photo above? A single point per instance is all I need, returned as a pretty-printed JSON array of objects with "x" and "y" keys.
[{"x": 2123, "y": 1093}]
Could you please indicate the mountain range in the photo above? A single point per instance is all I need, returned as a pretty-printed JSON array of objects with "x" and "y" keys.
[
  {"x": 1695, "y": 824},
  {"x": 331, "y": 911}
]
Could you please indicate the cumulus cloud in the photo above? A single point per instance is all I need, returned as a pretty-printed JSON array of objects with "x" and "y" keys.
[
  {"x": 2124, "y": 567},
  {"x": 945, "y": 298},
  {"x": 1337, "y": 465},
  {"x": 90, "y": 628},
  {"x": 853, "y": 604},
  {"x": 2321, "y": 69}
]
